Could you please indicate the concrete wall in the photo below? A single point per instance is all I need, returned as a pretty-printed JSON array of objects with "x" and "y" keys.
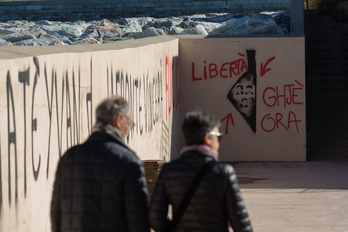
[
  {"x": 48, "y": 96},
  {"x": 94, "y": 9},
  {"x": 270, "y": 124},
  {"x": 47, "y": 101}
]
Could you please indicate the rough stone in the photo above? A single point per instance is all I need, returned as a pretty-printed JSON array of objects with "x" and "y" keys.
[
  {"x": 262, "y": 16},
  {"x": 149, "y": 32},
  {"x": 51, "y": 33},
  {"x": 86, "y": 41},
  {"x": 184, "y": 25},
  {"x": 120, "y": 21},
  {"x": 15, "y": 38},
  {"x": 5, "y": 32},
  {"x": 104, "y": 29},
  {"x": 258, "y": 26},
  {"x": 197, "y": 30},
  {"x": 36, "y": 31},
  {"x": 5, "y": 43},
  {"x": 16, "y": 22},
  {"x": 141, "y": 20},
  {"x": 63, "y": 30},
  {"x": 209, "y": 26},
  {"x": 247, "y": 25},
  {"x": 176, "y": 30},
  {"x": 283, "y": 21},
  {"x": 29, "y": 42},
  {"x": 230, "y": 26},
  {"x": 132, "y": 28},
  {"x": 43, "y": 22}
]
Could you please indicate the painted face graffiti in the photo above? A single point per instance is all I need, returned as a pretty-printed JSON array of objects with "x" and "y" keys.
[{"x": 243, "y": 93}]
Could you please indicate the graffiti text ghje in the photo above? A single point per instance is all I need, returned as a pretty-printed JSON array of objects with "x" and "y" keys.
[
  {"x": 212, "y": 70},
  {"x": 271, "y": 97}
]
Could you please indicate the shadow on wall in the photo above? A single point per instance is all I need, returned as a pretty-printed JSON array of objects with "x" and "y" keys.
[{"x": 176, "y": 143}]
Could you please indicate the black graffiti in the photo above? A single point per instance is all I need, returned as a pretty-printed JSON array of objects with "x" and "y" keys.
[
  {"x": 70, "y": 107},
  {"x": 133, "y": 89},
  {"x": 11, "y": 137},
  {"x": 144, "y": 93},
  {"x": 89, "y": 102},
  {"x": 34, "y": 122},
  {"x": 23, "y": 77}
]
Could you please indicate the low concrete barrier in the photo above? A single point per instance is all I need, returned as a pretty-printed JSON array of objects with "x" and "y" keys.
[{"x": 48, "y": 96}]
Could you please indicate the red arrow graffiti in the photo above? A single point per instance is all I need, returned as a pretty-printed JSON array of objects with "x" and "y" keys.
[
  {"x": 228, "y": 117},
  {"x": 263, "y": 68}
]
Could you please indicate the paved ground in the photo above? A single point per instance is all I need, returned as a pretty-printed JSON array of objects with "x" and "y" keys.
[{"x": 307, "y": 196}]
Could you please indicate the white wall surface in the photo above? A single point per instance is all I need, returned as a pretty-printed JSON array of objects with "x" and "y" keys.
[
  {"x": 48, "y": 96},
  {"x": 47, "y": 101},
  {"x": 209, "y": 68}
]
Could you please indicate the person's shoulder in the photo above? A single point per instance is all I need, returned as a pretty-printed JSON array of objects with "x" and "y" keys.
[
  {"x": 173, "y": 163},
  {"x": 225, "y": 168},
  {"x": 171, "y": 166},
  {"x": 124, "y": 153},
  {"x": 70, "y": 151}
]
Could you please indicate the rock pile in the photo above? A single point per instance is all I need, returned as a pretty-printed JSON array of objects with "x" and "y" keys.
[{"x": 52, "y": 33}]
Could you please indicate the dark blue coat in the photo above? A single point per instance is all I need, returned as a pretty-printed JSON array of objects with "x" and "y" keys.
[
  {"x": 216, "y": 200},
  {"x": 100, "y": 186}
]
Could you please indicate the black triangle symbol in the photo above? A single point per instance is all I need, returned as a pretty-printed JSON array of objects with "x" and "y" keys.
[{"x": 243, "y": 93}]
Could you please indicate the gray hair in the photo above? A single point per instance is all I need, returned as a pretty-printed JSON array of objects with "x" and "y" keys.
[{"x": 110, "y": 108}]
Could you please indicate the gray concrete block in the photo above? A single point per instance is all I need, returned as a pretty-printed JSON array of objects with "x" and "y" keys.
[
  {"x": 33, "y": 7},
  {"x": 167, "y": 4},
  {"x": 160, "y": 9},
  {"x": 148, "y": 4},
  {"x": 131, "y": 5},
  {"x": 8, "y": 8},
  {"x": 90, "y": 8}
]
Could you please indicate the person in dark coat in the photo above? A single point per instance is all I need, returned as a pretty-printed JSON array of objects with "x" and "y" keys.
[
  {"x": 217, "y": 204},
  {"x": 100, "y": 185}
]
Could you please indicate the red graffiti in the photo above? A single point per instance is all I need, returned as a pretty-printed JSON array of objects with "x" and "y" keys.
[
  {"x": 269, "y": 123},
  {"x": 263, "y": 68},
  {"x": 212, "y": 70},
  {"x": 176, "y": 92},
  {"x": 289, "y": 96},
  {"x": 169, "y": 87},
  {"x": 271, "y": 96},
  {"x": 228, "y": 118},
  {"x": 172, "y": 95}
]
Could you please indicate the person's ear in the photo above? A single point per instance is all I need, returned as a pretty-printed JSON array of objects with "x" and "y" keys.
[
  {"x": 117, "y": 121},
  {"x": 207, "y": 139}
]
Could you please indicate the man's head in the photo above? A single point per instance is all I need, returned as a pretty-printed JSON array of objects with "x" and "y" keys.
[
  {"x": 115, "y": 111},
  {"x": 201, "y": 128}
]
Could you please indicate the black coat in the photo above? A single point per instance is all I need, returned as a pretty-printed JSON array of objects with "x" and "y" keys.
[
  {"x": 216, "y": 200},
  {"x": 100, "y": 186}
]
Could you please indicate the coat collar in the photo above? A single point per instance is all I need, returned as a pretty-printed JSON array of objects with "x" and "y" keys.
[
  {"x": 100, "y": 136},
  {"x": 198, "y": 154},
  {"x": 202, "y": 148}
]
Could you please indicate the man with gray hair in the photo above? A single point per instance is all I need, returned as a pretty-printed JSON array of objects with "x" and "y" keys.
[{"x": 100, "y": 185}]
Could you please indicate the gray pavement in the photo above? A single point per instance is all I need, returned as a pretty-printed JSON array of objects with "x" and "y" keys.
[{"x": 307, "y": 196}]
